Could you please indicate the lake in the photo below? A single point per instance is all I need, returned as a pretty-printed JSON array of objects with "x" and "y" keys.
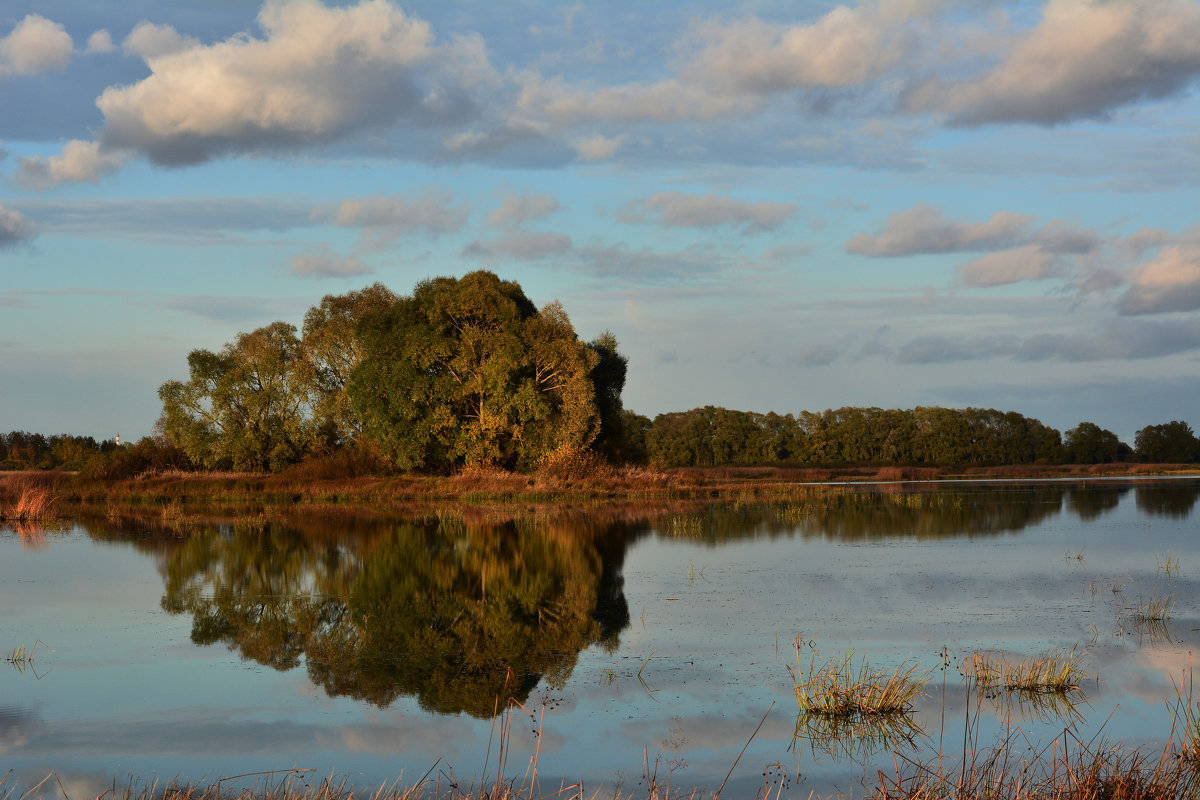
[{"x": 634, "y": 640}]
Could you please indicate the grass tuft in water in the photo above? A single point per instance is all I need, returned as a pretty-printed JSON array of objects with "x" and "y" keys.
[
  {"x": 1057, "y": 671},
  {"x": 842, "y": 689}
]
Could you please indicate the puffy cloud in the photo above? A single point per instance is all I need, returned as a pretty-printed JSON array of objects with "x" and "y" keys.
[
  {"x": 100, "y": 42},
  {"x": 528, "y": 246},
  {"x": 1027, "y": 263},
  {"x": 845, "y": 47},
  {"x": 923, "y": 229},
  {"x": 317, "y": 74},
  {"x": 1082, "y": 60},
  {"x": 79, "y": 162},
  {"x": 384, "y": 218},
  {"x": 324, "y": 264},
  {"x": 150, "y": 40},
  {"x": 677, "y": 209},
  {"x": 731, "y": 68},
  {"x": 518, "y": 210},
  {"x": 1168, "y": 282},
  {"x": 14, "y": 228},
  {"x": 35, "y": 45}
]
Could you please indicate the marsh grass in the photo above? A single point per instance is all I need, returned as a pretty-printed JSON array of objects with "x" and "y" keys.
[
  {"x": 1067, "y": 769},
  {"x": 33, "y": 504},
  {"x": 841, "y": 689},
  {"x": 1055, "y": 671}
]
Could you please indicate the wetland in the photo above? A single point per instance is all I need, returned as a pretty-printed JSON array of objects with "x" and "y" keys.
[{"x": 619, "y": 646}]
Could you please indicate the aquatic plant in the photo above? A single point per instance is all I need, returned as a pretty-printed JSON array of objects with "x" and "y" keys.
[
  {"x": 841, "y": 688},
  {"x": 1053, "y": 671},
  {"x": 1168, "y": 565},
  {"x": 1156, "y": 609}
]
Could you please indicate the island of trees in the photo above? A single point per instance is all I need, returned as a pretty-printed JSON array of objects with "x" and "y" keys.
[{"x": 468, "y": 372}]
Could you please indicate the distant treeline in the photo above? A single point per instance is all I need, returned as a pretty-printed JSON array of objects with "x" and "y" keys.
[
  {"x": 714, "y": 436},
  {"x": 923, "y": 436}
]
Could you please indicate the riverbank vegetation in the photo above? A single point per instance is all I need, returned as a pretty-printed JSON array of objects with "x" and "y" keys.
[{"x": 467, "y": 374}]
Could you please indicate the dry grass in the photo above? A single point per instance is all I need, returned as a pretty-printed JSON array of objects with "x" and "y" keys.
[
  {"x": 839, "y": 689},
  {"x": 1053, "y": 671},
  {"x": 33, "y": 504},
  {"x": 1066, "y": 770}
]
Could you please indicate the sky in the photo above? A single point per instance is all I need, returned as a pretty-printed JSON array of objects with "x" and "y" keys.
[{"x": 774, "y": 206}]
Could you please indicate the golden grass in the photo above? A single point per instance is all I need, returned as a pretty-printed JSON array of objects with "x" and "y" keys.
[
  {"x": 33, "y": 504},
  {"x": 1059, "y": 670},
  {"x": 841, "y": 689}
]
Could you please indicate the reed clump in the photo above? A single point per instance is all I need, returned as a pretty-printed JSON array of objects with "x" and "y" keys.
[
  {"x": 33, "y": 504},
  {"x": 1057, "y": 671},
  {"x": 841, "y": 688}
]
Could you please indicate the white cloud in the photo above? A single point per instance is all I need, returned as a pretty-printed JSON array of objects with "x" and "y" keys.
[
  {"x": 384, "y": 218},
  {"x": 149, "y": 40},
  {"x": 100, "y": 42},
  {"x": 845, "y": 47},
  {"x": 516, "y": 210},
  {"x": 681, "y": 210},
  {"x": 597, "y": 147},
  {"x": 1027, "y": 263},
  {"x": 14, "y": 227},
  {"x": 324, "y": 264},
  {"x": 317, "y": 74},
  {"x": 79, "y": 162},
  {"x": 35, "y": 45},
  {"x": 1168, "y": 282},
  {"x": 923, "y": 229},
  {"x": 1082, "y": 60}
]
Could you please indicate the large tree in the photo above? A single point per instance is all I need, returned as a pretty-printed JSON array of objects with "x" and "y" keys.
[
  {"x": 467, "y": 371},
  {"x": 246, "y": 407},
  {"x": 332, "y": 349}
]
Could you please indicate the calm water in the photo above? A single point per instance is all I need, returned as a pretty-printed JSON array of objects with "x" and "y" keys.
[{"x": 379, "y": 651}]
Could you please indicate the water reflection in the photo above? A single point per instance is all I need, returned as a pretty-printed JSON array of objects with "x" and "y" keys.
[
  {"x": 459, "y": 615},
  {"x": 462, "y": 612}
]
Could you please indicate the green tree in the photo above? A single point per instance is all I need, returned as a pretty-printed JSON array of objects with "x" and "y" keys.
[
  {"x": 1171, "y": 443},
  {"x": 245, "y": 408},
  {"x": 332, "y": 350},
  {"x": 468, "y": 372},
  {"x": 1088, "y": 443}
]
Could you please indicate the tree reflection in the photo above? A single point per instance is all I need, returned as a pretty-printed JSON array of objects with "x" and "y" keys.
[
  {"x": 1175, "y": 500},
  {"x": 442, "y": 611}
]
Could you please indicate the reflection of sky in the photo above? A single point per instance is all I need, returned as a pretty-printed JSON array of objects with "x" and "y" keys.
[{"x": 125, "y": 692}]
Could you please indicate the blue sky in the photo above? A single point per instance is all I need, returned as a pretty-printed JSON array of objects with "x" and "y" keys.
[{"x": 774, "y": 206}]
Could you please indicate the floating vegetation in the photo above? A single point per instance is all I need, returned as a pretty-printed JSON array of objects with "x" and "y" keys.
[
  {"x": 1156, "y": 609},
  {"x": 685, "y": 525},
  {"x": 842, "y": 689},
  {"x": 23, "y": 658},
  {"x": 1168, "y": 565},
  {"x": 1055, "y": 671}
]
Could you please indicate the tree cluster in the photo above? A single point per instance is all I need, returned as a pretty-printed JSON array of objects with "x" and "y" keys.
[
  {"x": 933, "y": 436},
  {"x": 464, "y": 372}
]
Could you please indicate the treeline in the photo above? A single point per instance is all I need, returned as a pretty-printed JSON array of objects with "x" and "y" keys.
[
  {"x": 712, "y": 436},
  {"x": 468, "y": 372},
  {"x": 922, "y": 436}
]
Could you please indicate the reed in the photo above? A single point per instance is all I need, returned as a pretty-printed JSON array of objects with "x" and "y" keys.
[
  {"x": 842, "y": 689},
  {"x": 1058, "y": 671},
  {"x": 34, "y": 504}
]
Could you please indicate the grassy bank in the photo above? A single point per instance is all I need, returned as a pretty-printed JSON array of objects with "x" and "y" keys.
[{"x": 26, "y": 495}]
